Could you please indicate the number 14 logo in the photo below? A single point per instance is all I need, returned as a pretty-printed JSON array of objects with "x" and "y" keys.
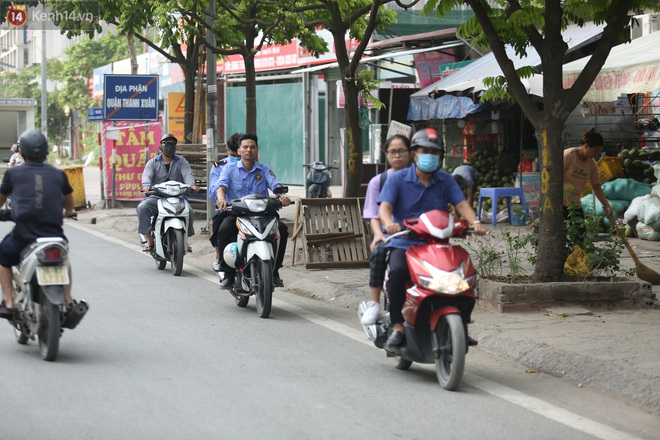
[{"x": 16, "y": 15}]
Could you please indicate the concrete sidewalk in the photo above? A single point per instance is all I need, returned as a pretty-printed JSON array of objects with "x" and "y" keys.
[{"x": 617, "y": 351}]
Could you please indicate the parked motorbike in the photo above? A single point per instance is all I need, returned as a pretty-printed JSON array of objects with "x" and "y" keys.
[
  {"x": 39, "y": 281},
  {"x": 318, "y": 179},
  {"x": 170, "y": 232},
  {"x": 253, "y": 254},
  {"x": 438, "y": 301}
]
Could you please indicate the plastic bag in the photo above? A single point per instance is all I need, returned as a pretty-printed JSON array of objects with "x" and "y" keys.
[
  {"x": 631, "y": 212},
  {"x": 645, "y": 232},
  {"x": 648, "y": 212},
  {"x": 576, "y": 263}
]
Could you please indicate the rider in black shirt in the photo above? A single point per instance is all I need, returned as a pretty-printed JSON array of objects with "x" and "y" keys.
[{"x": 40, "y": 196}]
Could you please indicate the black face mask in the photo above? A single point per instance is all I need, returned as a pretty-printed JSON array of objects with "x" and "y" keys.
[{"x": 168, "y": 148}]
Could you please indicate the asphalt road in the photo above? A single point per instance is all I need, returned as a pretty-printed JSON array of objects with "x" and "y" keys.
[{"x": 164, "y": 357}]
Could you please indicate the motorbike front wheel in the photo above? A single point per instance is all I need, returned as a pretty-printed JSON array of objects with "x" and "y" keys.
[
  {"x": 450, "y": 355},
  {"x": 314, "y": 191},
  {"x": 49, "y": 328},
  {"x": 177, "y": 248},
  {"x": 263, "y": 276}
]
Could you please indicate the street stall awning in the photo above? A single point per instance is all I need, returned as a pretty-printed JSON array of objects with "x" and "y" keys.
[
  {"x": 630, "y": 68},
  {"x": 382, "y": 56},
  {"x": 471, "y": 76}
]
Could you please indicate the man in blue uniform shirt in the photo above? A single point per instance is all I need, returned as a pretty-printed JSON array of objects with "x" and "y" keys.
[
  {"x": 408, "y": 194},
  {"x": 240, "y": 179},
  {"x": 214, "y": 180}
]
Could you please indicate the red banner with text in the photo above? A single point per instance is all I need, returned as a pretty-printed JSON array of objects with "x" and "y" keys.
[{"x": 134, "y": 143}]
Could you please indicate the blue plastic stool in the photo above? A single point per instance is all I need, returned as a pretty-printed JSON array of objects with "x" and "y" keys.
[{"x": 495, "y": 194}]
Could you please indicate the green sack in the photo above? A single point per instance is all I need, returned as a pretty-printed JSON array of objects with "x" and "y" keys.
[{"x": 625, "y": 189}]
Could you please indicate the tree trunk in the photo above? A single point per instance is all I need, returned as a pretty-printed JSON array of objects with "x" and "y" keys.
[
  {"x": 131, "y": 50},
  {"x": 550, "y": 260},
  {"x": 354, "y": 165},
  {"x": 189, "y": 116},
  {"x": 250, "y": 95}
]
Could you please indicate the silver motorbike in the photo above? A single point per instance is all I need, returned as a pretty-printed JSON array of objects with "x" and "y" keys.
[
  {"x": 170, "y": 232},
  {"x": 39, "y": 281}
]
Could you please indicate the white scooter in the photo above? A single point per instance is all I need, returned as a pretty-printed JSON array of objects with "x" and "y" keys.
[
  {"x": 253, "y": 254},
  {"x": 170, "y": 232},
  {"x": 39, "y": 281}
]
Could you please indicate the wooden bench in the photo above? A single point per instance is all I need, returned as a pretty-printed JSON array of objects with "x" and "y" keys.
[{"x": 333, "y": 233}]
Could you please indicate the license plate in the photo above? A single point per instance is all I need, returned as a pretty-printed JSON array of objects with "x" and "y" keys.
[{"x": 48, "y": 275}]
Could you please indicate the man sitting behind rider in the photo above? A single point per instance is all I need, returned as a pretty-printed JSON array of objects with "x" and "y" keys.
[
  {"x": 214, "y": 179},
  {"x": 408, "y": 194},
  {"x": 41, "y": 195},
  {"x": 239, "y": 179},
  {"x": 166, "y": 166}
]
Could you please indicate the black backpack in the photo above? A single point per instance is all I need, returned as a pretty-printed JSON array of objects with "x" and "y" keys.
[{"x": 383, "y": 178}]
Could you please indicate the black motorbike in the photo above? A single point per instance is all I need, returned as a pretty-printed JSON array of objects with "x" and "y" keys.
[{"x": 318, "y": 179}]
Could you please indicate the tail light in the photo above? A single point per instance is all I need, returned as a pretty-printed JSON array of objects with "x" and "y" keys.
[{"x": 52, "y": 255}]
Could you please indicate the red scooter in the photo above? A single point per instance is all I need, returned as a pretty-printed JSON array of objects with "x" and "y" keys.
[{"x": 439, "y": 299}]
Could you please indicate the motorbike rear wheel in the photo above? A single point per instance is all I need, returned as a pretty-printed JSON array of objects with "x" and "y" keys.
[
  {"x": 450, "y": 358},
  {"x": 263, "y": 276},
  {"x": 160, "y": 264},
  {"x": 401, "y": 363},
  {"x": 177, "y": 248},
  {"x": 49, "y": 328}
]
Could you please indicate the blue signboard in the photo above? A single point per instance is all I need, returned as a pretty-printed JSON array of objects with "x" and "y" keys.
[
  {"x": 94, "y": 114},
  {"x": 130, "y": 97}
]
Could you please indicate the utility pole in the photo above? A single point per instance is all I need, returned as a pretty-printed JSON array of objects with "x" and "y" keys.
[
  {"x": 211, "y": 103},
  {"x": 44, "y": 85}
]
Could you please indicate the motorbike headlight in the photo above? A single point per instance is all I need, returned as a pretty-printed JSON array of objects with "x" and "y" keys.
[
  {"x": 257, "y": 205},
  {"x": 446, "y": 282}
]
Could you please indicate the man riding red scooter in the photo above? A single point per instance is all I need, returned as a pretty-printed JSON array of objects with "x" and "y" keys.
[{"x": 409, "y": 194}]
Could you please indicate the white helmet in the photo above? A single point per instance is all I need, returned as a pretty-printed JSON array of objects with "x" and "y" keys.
[{"x": 230, "y": 254}]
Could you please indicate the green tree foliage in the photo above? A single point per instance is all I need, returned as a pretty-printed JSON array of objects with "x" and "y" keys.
[
  {"x": 358, "y": 19},
  {"x": 243, "y": 28},
  {"x": 538, "y": 25},
  {"x": 153, "y": 22},
  {"x": 78, "y": 66}
]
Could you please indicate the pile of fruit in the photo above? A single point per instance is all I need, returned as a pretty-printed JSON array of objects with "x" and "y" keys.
[
  {"x": 636, "y": 164},
  {"x": 494, "y": 172}
]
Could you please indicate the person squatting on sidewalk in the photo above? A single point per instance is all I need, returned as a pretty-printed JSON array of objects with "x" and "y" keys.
[{"x": 397, "y": 151}]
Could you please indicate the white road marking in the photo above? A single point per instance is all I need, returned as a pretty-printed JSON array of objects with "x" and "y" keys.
[{"x": 518, "y": 398}]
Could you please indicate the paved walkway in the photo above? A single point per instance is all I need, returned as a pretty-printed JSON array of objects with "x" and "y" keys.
[{"x": 614, "y": 350}]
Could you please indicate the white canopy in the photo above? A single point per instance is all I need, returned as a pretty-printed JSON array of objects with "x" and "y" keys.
[
  {"x": 630, "y": 68},
  {"x": 423, "y": 107}
]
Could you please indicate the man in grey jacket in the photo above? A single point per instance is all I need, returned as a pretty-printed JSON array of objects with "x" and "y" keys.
[{"x": 166, "y": 166}]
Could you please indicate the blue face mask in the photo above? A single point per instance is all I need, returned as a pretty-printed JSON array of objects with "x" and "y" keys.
[
  {"x": 428, "y": 163},
  {"x": 234, "y": 159}
]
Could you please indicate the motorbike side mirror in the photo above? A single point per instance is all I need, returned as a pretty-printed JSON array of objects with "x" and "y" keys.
[{"x": 281, "y": 190}]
